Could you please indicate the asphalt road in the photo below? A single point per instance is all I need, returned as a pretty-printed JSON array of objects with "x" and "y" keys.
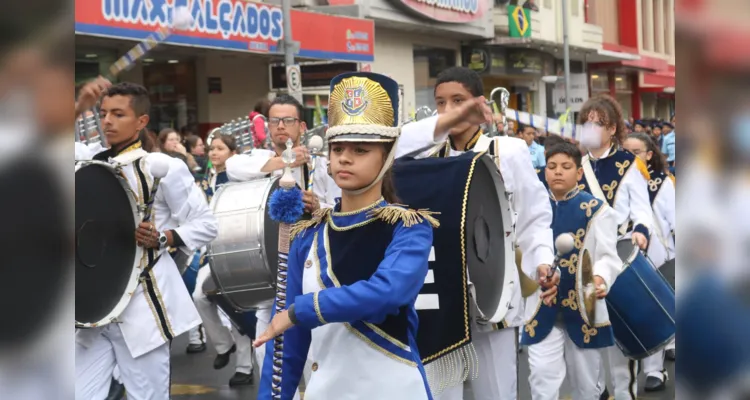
[{"x": 193, "y": 378}]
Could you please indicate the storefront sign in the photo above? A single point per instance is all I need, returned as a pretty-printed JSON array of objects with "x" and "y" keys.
[
  {"x": 230, "y": 25},
  {"x": 522, "y": 62},
  {"x": 579, "y": 93},
  {"x": 451, "y": 11},
  {"x": 314, "y": 75}
]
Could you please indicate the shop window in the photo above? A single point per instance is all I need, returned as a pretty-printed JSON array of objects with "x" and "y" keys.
[
  {"x": 599, "y": 82},
  {"x": 174, "y": 102},
  {"x": 428, "y": 63},
  {"x": 622, "y": 83}
]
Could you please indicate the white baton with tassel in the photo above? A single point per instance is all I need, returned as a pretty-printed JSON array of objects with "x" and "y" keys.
[{"x": 315, "y": 145}]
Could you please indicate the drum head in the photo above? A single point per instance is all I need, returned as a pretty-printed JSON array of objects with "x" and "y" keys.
[
  {"x": 105, "y": 242},
  {"x": 271, "y": 237},
  {"x": 485, "y": 238},
  {"x": 625, "y": 249},
  {"x": 667, "y": 270}
]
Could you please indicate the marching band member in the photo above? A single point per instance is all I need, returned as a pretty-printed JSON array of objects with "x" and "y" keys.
[
  {"x": 285, "y": 122},
  {"x": 624, "y": 177},
  {"x": 558, "y": 338},
  {"x": 354, "y": 272},
  {"x": 161, "y": 308},
  {"x": 455, "y": 130},
  {"x": 226, "y": 340},
  {"x": 661, "y": 190}
]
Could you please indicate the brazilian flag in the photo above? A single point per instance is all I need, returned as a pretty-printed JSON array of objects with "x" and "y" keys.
[{"x": 519, "y": 22}]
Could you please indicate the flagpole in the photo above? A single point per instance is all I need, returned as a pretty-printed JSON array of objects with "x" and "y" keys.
[{"x": 566, "y": 53}]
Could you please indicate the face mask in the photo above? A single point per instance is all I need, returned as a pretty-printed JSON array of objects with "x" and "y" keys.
[
  {"x": 591, "y": 136},
  {"x": 741, "y": 133}
]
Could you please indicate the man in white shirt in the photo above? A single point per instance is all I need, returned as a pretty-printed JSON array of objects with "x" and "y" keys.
[
  {"x": 160, "y": 308},
  {"x": 455, "y": 130},
  {"x": 319, "y": 190}
]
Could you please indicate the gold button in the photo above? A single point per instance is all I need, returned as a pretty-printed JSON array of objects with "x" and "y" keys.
[
  {"x": 308, "y": 263},
  {"x": 315, "y": 367}
]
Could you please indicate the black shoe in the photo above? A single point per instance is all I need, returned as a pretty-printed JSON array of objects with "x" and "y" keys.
[
  {"x": 196, "y": 348},
  {"x": 669, "y": 354},
  {"x": 116, "y": 390},
  {"x": 222, "y": 360},
  {"x": 654, "y": 384},
  {"x": 240, "y": 379},
  {"x": 604, "y": 395}
]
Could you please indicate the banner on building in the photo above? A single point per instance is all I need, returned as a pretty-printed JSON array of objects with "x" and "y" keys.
[
  {"x": 519, "y": 22},
  {"x": 579, "y": 93},
  {"x": 230, "y": 25}
]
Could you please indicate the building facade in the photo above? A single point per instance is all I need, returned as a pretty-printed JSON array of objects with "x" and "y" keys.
[
  {"x": 645, "y": 86},
  {"x": 223, "y": 65}
]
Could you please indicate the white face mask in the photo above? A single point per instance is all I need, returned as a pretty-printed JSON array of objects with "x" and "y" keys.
[{"x": 591, "y": 136}]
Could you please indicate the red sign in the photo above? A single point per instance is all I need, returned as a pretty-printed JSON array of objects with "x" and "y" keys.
[
  {"x": 230, "y": 25},
  {"x": 451, "y": 11}
]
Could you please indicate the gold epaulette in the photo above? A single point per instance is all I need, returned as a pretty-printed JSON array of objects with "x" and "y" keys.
[
  {"x": 643, "y": 168},
  {"x": 318, "y": 216},
  {"x": 393, "y": 213}
]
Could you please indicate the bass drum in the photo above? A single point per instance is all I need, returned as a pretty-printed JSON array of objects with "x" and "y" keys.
[
  {"x": 244, "y": 255},
  {"x": 107, "y": 256}
]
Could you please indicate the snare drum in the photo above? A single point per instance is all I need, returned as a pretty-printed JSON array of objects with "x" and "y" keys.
[
  {"x": 107, "y": 256},
  {"x": 243, "y": 256},
  {"x": 641, "y": 305}
]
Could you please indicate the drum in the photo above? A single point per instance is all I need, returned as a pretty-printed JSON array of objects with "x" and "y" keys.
[
  {"x": 667, "y": 270},
  {"x": 475, "y": 230},
  {"x": 243, "y": 256},
  {"x": 641, "y": 305},
  {"x": 244, "y": 321},
  {"x": 107, "y": 256}
]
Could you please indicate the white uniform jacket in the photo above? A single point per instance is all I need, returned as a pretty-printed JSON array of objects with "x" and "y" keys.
[
  {"x": 244, "y": 167},
  {"x": 529, "y": 199},
  {"x": 162, "y": 309},
  {"x": 661, "y": 247}
]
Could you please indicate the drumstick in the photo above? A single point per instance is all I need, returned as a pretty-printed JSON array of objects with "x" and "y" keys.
[
  {"x": 315, "y": 145},
  {"x": 181, "y": 20},
  {"x": 159, "y": 169},
  {"x": 564, "y": 244}
]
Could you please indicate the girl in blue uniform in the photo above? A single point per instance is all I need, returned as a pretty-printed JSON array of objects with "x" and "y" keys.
[
  {"x": 621, "y": 179},
  {"x": 354, "y": 273},
  {"x": 661, "y": 191}
]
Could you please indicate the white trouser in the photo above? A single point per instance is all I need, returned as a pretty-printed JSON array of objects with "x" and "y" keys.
[
  {"x": 145, "y": 378},
  {"x": 222, "y": 337},
  {"x": 671, "y": 345},
  {"x": 264, "y": 318},
  {"x": 497, "y": 374},
  {"x": 653, "y": 365},
  {"x": 197, "y": 335},
  {"x": 556, "y": 355},
  {"x": 624, "y": 373}
]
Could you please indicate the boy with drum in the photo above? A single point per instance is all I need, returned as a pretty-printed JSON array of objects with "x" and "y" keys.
[
  {"x": 160, "y": 308},
  {"x": 455, "y": 130},
  {"x": 566, "y": 328}
]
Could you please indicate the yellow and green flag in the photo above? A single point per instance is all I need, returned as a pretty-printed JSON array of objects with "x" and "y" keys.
[{"x": 519, "y": 22}]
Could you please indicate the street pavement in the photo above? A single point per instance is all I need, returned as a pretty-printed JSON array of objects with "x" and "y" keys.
[{"x": 194, "y": 378}]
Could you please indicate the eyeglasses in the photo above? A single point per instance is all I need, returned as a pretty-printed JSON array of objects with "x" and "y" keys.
[{"x": 285, "y": 120}]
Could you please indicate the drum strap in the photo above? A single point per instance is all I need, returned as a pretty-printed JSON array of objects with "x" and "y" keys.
[
  {"x": 152, "y": 258},
  {"x": 596, "y": 189}
]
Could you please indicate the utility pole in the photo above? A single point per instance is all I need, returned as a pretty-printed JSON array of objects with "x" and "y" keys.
[
  {"x": 566, "y": 53},
  {"x": 286, "y": 9}
]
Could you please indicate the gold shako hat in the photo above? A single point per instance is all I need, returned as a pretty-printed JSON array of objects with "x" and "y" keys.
[{"x": 363, "y": 107}]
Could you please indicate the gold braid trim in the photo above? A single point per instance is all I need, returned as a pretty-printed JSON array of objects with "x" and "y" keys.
[
  {"x": 318, "y": 216},
  {"x": 393, "y": 213},
  {"x": 643, "y": 168}
]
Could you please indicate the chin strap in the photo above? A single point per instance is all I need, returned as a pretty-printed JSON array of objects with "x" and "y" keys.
[{"x": 386, "y": 165}]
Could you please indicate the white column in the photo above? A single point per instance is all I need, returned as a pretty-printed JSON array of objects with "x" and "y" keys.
[
  {"x": 659, "y": 24},
  {"x": 670, "y": 27},
  {"x": 648, "y": 24}
]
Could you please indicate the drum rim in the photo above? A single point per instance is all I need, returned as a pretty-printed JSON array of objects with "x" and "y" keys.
[
  {"x": 261, "y": 233},
  {"x": 135, "y": 273},
  {"x": 509, "y": 286}
]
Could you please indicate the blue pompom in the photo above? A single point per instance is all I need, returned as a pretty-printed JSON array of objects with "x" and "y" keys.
[{"x": 285, "y": 205}]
